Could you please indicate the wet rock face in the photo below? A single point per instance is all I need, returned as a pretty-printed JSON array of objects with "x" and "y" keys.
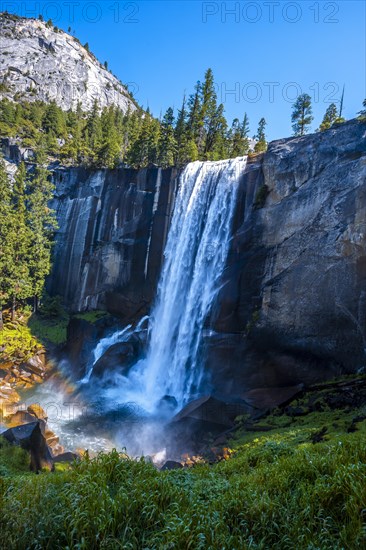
[
  {"x": 293, "y": 308},
  {"x": 119, "y": 358},
  {"x": 45, "y": 64},
  {"x": 112, "y": 231}
]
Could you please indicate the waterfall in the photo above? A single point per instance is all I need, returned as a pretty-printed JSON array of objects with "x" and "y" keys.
[{"x": 194, "y": 260}]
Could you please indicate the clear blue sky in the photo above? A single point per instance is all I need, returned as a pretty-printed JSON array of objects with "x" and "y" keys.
[{"x": 264, "y": 52}]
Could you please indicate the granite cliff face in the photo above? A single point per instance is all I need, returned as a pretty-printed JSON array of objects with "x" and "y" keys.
[
  {"x": 38, "y": 62},
  {"x": 112, "y": 231},
  {"x": 292, "y": 308}
]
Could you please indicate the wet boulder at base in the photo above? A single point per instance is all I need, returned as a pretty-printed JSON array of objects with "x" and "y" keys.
[
  {"x": 30, "y": 438},
  {"x": 119, "y": 358}
]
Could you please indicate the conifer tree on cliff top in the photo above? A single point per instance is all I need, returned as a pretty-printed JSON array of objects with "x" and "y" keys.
[{"x": 302, "y": 115}]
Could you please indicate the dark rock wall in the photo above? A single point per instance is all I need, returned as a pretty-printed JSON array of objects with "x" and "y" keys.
[
  {"x": 112, "y": 231},
  {"x": 293, "y": 308}
]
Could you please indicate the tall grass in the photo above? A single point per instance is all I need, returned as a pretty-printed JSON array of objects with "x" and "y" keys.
[{"x": 273, "y": 493}]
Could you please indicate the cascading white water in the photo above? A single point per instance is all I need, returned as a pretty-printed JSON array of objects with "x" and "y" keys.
[
  {"x": 195, "y": 257},
  {"x": 194, "y": 260}
]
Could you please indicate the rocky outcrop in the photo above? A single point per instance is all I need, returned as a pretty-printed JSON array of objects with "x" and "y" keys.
[
  {"x": 112, "y": 230},
  {"x": 293, "y": 304},
  {"x": 39, "y": 62},
  {"x": 17, "y": 375}
]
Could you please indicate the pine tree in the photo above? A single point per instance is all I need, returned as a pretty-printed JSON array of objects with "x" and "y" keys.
[
  {"x": 181, "y": 133},
  {"x": 245, "y": 134},
  {"x": 7, "y": 233},
  {"x": 167, "y": 146},
  {"x": 195, "y": 123},
  {"x": 189, "y": 152},
  {"x": 207, "y": 112},
  {"x": 261, "y": 144},
  {"x": 154, "y": 130},
  {"x": 130, "y": 132},
  {"x": 216, "y": 138},
  {"x": 53, "y": 120},
  {"x": 42, "y": 224},
  {"x": 301, "y": 115},
  {"x": 331, "y": 115},
  {"x": 238, "y": 138},
  {"x": 20, "y": 239},
  {"x": 36, "y": 115},
  {"x": 245, "y": 126},
  {"x": 110, "y": 152},
  {"x": 362, "y": 113},
  {"x": 144, "y": 150},
  {"x": 93, "y": 134},
  {"x": 184, "y": 133},
  {"x": 74, "y": 145}
]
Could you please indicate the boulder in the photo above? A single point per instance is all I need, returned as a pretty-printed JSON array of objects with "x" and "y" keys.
[
  {"x": 66, "y": 457},
  {"x": 36, "y": 410},
  {"x": 35, "y": 365},
  {"x": 82, "y": 337},
  {"x": 119, "y": 358},
  {"x": 269, "y": 398},
  {"x": 211, "y": 411},
  {"x": 18, "y": 418},
  {"x": 167, "y": 405},
  {"x": 29, "y": 437}
]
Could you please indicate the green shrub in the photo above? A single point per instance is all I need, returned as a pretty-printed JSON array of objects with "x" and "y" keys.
[
  {"x": 17, "y": 340},
  {"x": 51, "y": 307}
]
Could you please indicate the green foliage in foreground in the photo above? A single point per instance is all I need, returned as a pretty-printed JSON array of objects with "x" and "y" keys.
[
  {"x": 278, "y": 491},
  {"x": 13, "y": 460}
]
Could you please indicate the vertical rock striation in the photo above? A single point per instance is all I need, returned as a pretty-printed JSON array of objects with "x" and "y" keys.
[{"x": 112, "y": 230}]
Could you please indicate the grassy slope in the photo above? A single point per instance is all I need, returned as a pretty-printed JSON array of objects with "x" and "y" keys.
[{"x": 277, "y": 490}]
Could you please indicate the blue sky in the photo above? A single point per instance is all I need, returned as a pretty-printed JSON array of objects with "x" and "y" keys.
[{"x": 263, "y": 53}]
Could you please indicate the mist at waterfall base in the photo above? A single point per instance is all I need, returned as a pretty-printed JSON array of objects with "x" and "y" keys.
[{"x": 135, "y": 407}]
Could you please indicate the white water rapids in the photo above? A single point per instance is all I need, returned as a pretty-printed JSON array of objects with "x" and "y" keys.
[{"x": 194, "y": 260}]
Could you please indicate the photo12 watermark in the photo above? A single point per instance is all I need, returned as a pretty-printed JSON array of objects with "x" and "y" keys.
[
  {"x": 273, "y": 91},
  {"x": 269, "y": 12},
  {"x": 71, "y": 11}
]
